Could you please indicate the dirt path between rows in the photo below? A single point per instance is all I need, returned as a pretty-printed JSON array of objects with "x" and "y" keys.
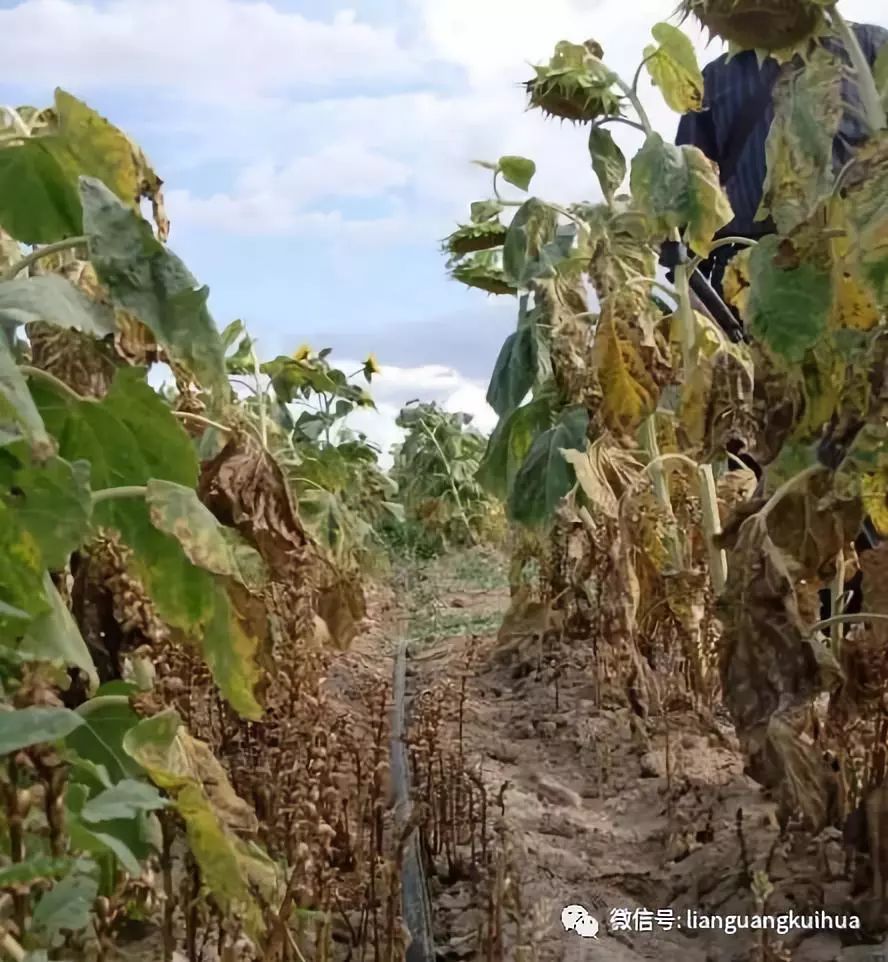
[{"x": 601, "y": 814}]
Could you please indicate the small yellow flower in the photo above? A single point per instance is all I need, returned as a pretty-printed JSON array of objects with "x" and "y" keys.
[
  {"x": 371, "y": 365},
  {"x": 302, "y": 353}
]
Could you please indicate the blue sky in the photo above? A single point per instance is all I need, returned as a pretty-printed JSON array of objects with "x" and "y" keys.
[{"x": 315, "y": 153}]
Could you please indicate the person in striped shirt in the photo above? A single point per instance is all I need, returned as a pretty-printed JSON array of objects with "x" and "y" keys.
[{"x": 734, "y": 87}]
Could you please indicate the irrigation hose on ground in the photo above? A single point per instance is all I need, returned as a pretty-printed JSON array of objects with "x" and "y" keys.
[{"x": 416, "y": 907}]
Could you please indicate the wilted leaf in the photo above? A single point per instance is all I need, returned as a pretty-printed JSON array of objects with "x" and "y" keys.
[
  {"x": 55, "y": 636},
  {"x": 176, "y": 510},
  {"x": 38, "y": 202},
  {"x": 787, "y": 307},
  {"x": 146, "y": 278},
  {"x": 53, "y": 299},
  {"x": 678, "y": 187},
  {"x": 545, "y": 477},
  {"x": 608, "y": 161},
  {"x": 515, "y": 371},
  {"x": 32, "y": 726},
  {"x": 808, "y": 110},
  {"x": 854, "y": 307},
  {"x": 674, "y": 69},
  {"x": 517, "y": 170},
  {"x": 629, "y": 393},
  {"x": 509, "y": 445},
  {"x": 129, "y": 438},
  {"x": 230, "y": 652},
  {"x": 533, "y": 247},
  {"x": 211, "y": 810},
  {"x": 597, "y": 469}
]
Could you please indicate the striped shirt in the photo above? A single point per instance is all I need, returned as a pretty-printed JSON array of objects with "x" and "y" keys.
[{"x": 727, "y": 87}]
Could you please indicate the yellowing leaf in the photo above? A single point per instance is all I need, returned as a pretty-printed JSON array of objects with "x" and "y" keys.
[
  {"x": 674, "y": 69},
  {"x": 90, "y": 146},
  {"x": 176, "y": 510},
  {"x": 736, "y": 281},
  {"x": 212, "y": 811},
  {"x": 867, "y": 188},
  {"x": 630, "y": 394},
  {"x": 229, "y": 650},
  {"x": 874, "y": 494},
  {"x": 678, "y": 187},
  {"x": 808, "y": 109},
  {"x": 853, "y": 305}
]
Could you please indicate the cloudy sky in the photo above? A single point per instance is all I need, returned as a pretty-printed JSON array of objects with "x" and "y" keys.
[{"x": 315, "y": 152}]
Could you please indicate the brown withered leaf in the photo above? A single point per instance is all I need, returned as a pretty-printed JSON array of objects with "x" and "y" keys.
[
  {"x": 765, "y": 661},
  {"x": 245, "y": 488},
  {"x": 874, "y": 565},
  {"x": 341, "y": 605}
]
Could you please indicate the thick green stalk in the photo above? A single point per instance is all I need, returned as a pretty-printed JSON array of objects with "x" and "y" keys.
[
  {"x": 873, "y": 110},
  {"x": 41, "y": 252}
]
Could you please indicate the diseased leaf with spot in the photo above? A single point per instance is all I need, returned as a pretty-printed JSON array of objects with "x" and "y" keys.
[
  {"x": 673, "y": 67},
  {"x": 799, "y": 149},
  {"x": 230, "y": 652},
  {"x": 90, "y": 146},
  {"x": 629, "y": 394},
  {"x": 787, "y": 307},
  {"x": 144, "y": 277},
  {"x": 678, "y": 187},
  {"x": 545, "y": 477},
  {"x": 52, "y": 501},
  {"x": 867, "y": 213},
  {"x": 177, "y": 511},
  {"x": 38, "y": 201},
  {"x": 56, "y": 300},
  {"x": 534, "y": 246},
  {"x": 608, "y": 161}
]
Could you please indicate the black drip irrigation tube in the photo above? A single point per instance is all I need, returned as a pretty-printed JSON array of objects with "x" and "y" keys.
[{"x": 415, "y": 903}]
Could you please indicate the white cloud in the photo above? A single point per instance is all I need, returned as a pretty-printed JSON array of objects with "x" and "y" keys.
[
  {"x": 216, "y": 50},
  {"x": 394, "y": 387}
]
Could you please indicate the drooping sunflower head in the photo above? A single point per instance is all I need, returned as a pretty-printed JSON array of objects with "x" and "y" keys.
[
  {"x": 575, "y": 85},
  {"x": 759, "y": 24}
]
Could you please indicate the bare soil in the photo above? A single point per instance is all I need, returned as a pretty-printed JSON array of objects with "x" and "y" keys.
[{"x": 614, "y": 811}]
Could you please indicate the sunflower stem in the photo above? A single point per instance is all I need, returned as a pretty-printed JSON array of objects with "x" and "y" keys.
[{"x": 874, "y": 112}]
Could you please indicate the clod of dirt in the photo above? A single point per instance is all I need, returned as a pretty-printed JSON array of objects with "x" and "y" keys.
[{"x": 551, "y": 790}]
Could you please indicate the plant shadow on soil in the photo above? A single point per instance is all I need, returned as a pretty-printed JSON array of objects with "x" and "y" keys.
[{"x": 602, "y": 807}]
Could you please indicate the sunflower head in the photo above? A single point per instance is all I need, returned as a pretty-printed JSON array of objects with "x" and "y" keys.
[
  {"x": 770, "y": 25},
  {"x": 575, "y": 85}
]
